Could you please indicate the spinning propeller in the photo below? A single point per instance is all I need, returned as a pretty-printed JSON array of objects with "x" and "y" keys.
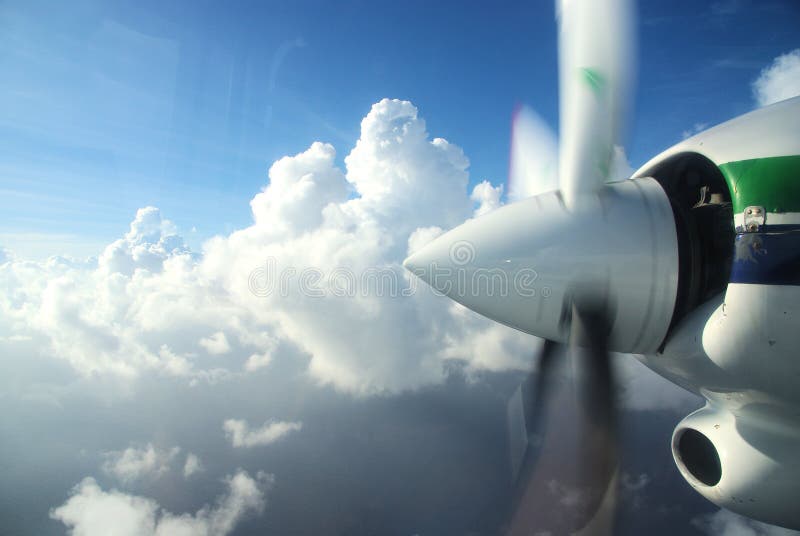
[{"x": 588, "y": 265}]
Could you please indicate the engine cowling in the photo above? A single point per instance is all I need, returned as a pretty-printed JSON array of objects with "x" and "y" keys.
[
  {"x": 747, "y": 463},
  {"x": 525, "y": 264}
]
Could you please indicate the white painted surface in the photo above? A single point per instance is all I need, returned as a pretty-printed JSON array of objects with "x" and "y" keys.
[{"x": 623, "y": 244}]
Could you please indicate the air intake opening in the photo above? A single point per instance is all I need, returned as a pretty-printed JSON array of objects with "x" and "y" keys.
[
  {"x": 701, "y": 202},
  {"x": 700, "y": 457}
]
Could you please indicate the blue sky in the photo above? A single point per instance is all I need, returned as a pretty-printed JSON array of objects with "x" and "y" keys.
[{"x": 111, "y": 106}]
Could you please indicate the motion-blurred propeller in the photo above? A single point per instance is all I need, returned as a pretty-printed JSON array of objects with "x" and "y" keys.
[
  {"x": 568, "y": 483},
  {"x": 605, "y": 256}
]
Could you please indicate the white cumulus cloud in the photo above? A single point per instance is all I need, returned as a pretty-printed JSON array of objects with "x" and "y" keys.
[
  {"x": 91, "y": 511},
  {"x": 317, "y": 275},
  {"x": 192, "y": 466},
  {"x": 300, "y": 187},
  {"x": 487, "y": 197},
  {"x": 780, "y": 80},
  {"x": 241, "y": 435},
  {"x": 216, "y": 344},
  {"x": 150, "y": 240},
  {"x": 135, "y": 463}
]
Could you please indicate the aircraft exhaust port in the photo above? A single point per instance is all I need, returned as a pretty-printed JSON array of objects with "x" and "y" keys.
[{"x": 699, "y": 456}]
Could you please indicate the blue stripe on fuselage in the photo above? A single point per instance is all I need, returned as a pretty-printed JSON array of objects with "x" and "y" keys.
[{"x": 767, "y": 258}]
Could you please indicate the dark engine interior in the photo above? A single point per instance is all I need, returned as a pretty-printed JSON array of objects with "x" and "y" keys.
[{"x": 701, "y": 202}]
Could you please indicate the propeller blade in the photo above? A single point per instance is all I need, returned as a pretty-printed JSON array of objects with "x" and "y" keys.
[
  {"x": 544, "y": 378},
  {"x": 597, "y": 444},
  {"x": 569, "y": 486},
  {"x": 548, "y": 461},
  {"x": 526, "y": 408},
  {"x": 596, "y": 49},
  {"x": 533, "y": 163}
]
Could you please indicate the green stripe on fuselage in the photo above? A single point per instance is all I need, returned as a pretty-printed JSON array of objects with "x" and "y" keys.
[{"x": 772, "y": 183}]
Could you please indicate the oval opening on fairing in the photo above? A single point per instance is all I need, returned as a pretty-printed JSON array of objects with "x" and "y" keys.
[{"x": 700, "y": 457}]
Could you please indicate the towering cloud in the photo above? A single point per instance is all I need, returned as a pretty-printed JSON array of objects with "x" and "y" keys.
[{"x": 317, "y": 274}]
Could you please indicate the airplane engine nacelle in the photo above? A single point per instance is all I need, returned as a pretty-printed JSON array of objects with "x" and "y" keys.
[
  {"x": 526, "y": 263},
  {"x": 746, "y": 463}
]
